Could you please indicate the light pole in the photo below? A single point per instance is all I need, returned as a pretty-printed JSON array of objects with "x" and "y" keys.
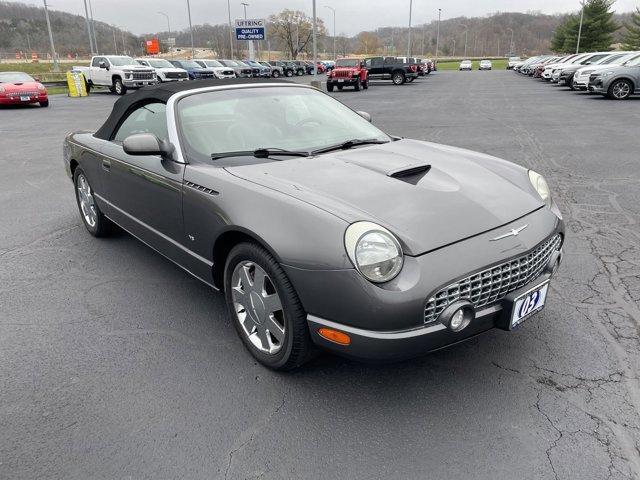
[
  {"x": 230, "y": 28},
  {"x": 438, "y": 37},
  {"x": 193, "y": 50},
  {"x": 56, "y": 67},
  {"x": 93, "y": 28},
  {"x": 466, "y": 33},
  {"x": 86, "y": 16},
  {"x": 511, "y": 44},
  {"x": 334, "y": 30},
  {"x": 251, "y": 55},
  {"x": 409, "y": 37},
  {"x": 168, "y": 24},
  {"x": 580, "y": 29},
  {"x": 115, "y": 46},
  {"x": 315, "y": 47},
  {"x": 454, "y": 48}
]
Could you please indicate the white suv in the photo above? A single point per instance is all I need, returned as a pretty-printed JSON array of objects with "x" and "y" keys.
[
  {"x": 165, "y": 71},
  {"x": 581, "y": 77}
]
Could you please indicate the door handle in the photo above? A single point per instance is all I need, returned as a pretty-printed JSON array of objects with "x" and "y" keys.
[{"x": 106, "y": 165}]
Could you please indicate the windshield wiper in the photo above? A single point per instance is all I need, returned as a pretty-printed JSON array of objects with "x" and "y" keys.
[
  {"x": 261, "y": 153},
  {"x": 349, "y": 144}
]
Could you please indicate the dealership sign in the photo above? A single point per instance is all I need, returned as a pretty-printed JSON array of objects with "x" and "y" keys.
[{"x": 250, "y": 29}]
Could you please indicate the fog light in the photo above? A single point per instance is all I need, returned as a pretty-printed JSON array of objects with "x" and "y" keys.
[{"x": 457, "y": 316}]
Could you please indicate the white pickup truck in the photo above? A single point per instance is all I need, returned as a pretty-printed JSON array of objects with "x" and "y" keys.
[{"x": 118, "y": 72}]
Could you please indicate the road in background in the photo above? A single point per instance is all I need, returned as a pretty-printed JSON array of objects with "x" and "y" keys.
[{"x": 114, "y": 363}]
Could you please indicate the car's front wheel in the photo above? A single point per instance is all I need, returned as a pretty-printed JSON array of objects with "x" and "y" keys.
[
  {"x": 44, "y": 103},
  {"x": 94, "y": 220},
  {"x": 276, "y": 73},
  {"x": 118, "y": 86},
  {"x": 620, "y": 90},
  {"x": 398, "y": 78},
  {"x": 265, "y": 308}
]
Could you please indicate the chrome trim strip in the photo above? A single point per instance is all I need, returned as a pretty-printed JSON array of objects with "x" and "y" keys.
[
  {"x": 172, "y": 127},
  {"x": 160, "y": 234},
  {"x": 395, "y": 335}
]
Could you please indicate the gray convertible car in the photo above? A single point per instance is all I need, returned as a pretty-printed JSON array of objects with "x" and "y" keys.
[{"x": 320, "y": 229}]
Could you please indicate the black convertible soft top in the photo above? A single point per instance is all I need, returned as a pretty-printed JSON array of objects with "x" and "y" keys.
[{"x": 160, "y": 93}]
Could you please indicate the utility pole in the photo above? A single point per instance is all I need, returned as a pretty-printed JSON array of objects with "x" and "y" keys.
[
  {"x": 168, "y": 27},
  {"x": 193, "y": 50},
  {"x": 86, "y": 16},
  {"x": 115, "y": 45},
  {"x": 251, "y": 54},
  {"x": 56, "y": 67},
  {"x": 335, "y": 57},
  {"x": 93, "y": 28},
  {"x": 438, "y": 37},
  {"x": 230, "y": 28},
  {"x": 454, "y": 48},
  {"x": 124, "y": 45},
  {"x": 409, "y": 37},
  {"x": 511, "y": 44},
  {"x": 580, "y": 29},
  {"x": 315, "y": 47},
  {"x": 466, "y": 32}
]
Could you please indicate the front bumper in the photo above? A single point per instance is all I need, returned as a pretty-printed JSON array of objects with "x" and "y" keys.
[
  {"x": 343, "y": 82},
  {"x": 17, "y": 100},
  {"x": 131, "y": 83},
  {"x": 389, "y": 320},
  {"x": 389, "y": 346}
]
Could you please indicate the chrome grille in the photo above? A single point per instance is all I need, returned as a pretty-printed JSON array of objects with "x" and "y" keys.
[
  {"x": 493, "y": 284},
  {"x": 143, "y": 75}
]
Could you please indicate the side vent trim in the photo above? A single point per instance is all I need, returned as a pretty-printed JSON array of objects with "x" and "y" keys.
[
  {"x": 409, "y": 172},
  {"x": 200, "y": 188}
]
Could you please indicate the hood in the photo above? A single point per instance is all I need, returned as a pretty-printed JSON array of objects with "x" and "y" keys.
[
  {"x": 170, "y": 69},
  {"x": 136, "y": 68},
  {"x": 429, "y": 195},
  {"x": 222, "y": 69},
  {"x": 21, "y": 87}
]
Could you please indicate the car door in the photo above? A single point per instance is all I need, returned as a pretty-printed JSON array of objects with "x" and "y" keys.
[
  {"x": 145, "y": 192},
  {"x": 97, "y": 73},
  {"x": 376, "y": 68}
]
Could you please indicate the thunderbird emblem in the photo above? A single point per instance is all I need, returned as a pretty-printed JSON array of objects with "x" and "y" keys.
[{"x": 513, "y": 233}]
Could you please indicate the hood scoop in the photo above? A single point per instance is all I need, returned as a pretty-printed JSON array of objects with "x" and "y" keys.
[{"x": 410, "y": 175}]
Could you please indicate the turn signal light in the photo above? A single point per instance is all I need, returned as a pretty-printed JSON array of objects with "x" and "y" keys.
[{"x": 334, "y": 336}]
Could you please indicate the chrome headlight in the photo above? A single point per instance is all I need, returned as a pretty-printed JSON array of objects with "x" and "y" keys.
[
  {"x": 606, "y": 74},
  {"x": 374, "y": 251},
  {"x": 541, "y": 186}
]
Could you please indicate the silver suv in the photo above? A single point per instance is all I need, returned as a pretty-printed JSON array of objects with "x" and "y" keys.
[{"x": 617, "y": 83}]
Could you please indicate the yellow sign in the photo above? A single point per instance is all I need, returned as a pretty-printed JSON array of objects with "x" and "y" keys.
[{"x": 76, "y": 84}]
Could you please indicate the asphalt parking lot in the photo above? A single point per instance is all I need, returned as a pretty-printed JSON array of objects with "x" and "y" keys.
[{"x": 114, "y": 363}]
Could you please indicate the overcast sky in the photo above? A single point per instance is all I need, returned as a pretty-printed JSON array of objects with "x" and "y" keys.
[{"x": 352, "y": 16}]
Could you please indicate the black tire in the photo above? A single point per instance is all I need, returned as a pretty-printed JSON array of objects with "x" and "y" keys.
[
  {"x": 87, "y": 85},
  {"x": 297, "y": 346},
  {"x": 289, "y": 73},
  {"x": 300, "y": 72},
  {"x": 44, "y": 103},
  {"x": 118, "y": 86},
  {"x": 398, "y": 78},
  {"x": 329, "y": 87},
  {"x": 411, "y": 79},
  {"x": 365, "y": 84},
  {"x": 356, "y": 87},
  {"x": 569, "y": 83},
  {"x": 275, "y": 74},
  {"x": 111, "y": 89},
  {"x": 622, "y": 84},
  {"x": 103, "y": 225},
  {"x": 340, "y": 87}
]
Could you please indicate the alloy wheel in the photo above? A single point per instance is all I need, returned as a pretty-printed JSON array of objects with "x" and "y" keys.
[
  {"x": 621, "y": 90},
  {"x": 87, "y": 203},
  {"x": 258, "y": 307}
]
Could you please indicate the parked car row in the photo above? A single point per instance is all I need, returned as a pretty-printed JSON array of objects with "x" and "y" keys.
[
  {"x": 615, "y": 75},
  {"x": 357, "y": 72},
  {"x": 468, "y": 65}
]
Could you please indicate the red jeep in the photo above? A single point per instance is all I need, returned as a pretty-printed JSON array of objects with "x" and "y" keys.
[{"x": 348, "y": 72}]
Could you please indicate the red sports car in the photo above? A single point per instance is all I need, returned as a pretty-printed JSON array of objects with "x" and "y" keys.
[{"x": 20, "y": 88}]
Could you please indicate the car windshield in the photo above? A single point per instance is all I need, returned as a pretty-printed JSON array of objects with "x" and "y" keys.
[
  {"x": 159, "y": 63},
  {"x": 212, "y": 63},
  {"x": 347, "y": 62},
  {"x": 608, "y": 60},
  {"x": 15, "y": 77},
  {"x": 230, "y": 63},
  {"x": 247, "y": 119},
  {"x": 189, "y": 64},
  {"x": 241, "y": 63},
  {"x": 122, "y": 61}
]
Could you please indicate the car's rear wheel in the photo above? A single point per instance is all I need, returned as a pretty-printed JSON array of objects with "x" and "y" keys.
[
  {"x": 411, "y": 79},
  {"x": 276, "y": 73},
  {"x": 329, "y": 87},
  {"x": 265, "y": 308},
  {"x": 289, "y": 73},
  {"x": 365, "y": 84},
  {"x": 44, "y": 103},
  {"x": 94, "y": 220},
  {"x": 356, "y": 86},
  {"x": 620, "y": 90},
  {"x": 398, "y": 78}
]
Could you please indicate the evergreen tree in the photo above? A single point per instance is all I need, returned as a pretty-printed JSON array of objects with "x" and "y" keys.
[
  {"x": 632, "y": 36},
  {"x": 598, "y": 27}
]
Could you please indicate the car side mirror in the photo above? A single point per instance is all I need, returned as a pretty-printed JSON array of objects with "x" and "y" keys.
[
  {"x": 364, "y": 115},
  {"x": 147, "y": 144},
  {"x": 103, "y": 65},
  {"x": 37, "y": 79}
]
